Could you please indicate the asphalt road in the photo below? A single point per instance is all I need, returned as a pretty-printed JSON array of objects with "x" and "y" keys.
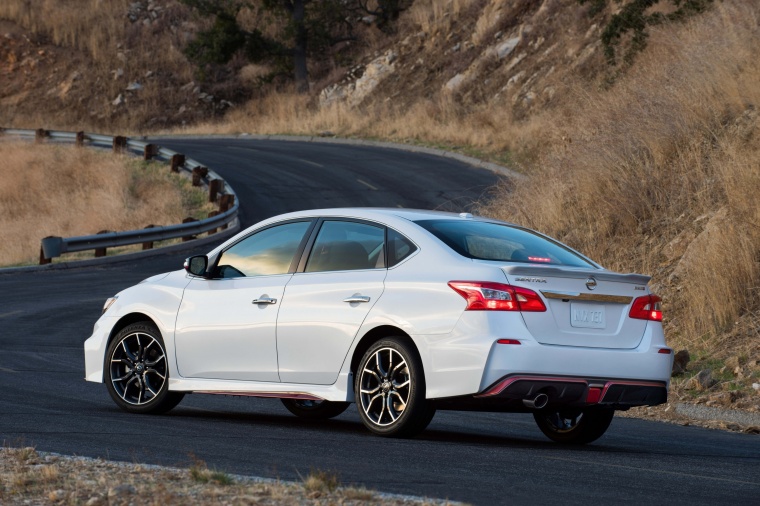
[{"x": 481, "y": 458}]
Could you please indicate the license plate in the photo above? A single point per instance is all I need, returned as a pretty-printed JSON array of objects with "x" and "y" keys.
[{"x": 587, "y": 316}]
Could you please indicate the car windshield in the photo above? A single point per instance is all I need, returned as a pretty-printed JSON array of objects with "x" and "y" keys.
[{"x": 492, "y": 241}]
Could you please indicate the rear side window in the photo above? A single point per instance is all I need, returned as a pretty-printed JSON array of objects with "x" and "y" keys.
[
  {"x": 492, "y": 241},
  {"x": 399, "y": 247},
  {"x": 347, "y": 245}
]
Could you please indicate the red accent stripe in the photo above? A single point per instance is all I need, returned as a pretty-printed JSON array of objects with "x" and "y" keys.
[
  {"x": 502, "y": 385},
  {"x": 301, "y": 396},
  {"x": 499, "y": 387}
]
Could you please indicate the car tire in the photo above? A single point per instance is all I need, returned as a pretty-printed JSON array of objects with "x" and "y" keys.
[
  {"x": 389, "y": 386},
  {"x": 136, "y": 371},
  {"x": 574, "y": 426},
  {"x": 315, "y": 410}
]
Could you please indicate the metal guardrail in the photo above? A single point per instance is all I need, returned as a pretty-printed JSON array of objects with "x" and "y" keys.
[{"x": 219, "y": 190}]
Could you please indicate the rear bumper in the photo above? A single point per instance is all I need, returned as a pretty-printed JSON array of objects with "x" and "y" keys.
[
  {"x": 568, "y": 391},
  {"x": 509, "y": 392},
  {"x": 469, "y": 360},
  {"x": 645, "y": 363}
]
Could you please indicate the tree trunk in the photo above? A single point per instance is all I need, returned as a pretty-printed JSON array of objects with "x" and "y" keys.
[{"x": 299, "y": 49}]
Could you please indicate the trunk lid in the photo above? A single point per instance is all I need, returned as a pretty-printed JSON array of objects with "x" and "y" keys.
[{"x": 584, "y": 307}]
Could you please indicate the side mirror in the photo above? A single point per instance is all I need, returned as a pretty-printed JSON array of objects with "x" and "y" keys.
[{"x": 197, "y": 265}]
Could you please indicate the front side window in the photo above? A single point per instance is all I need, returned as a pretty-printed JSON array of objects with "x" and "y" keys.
[
  {"x": 264, "y": 253},
  {"x": 492, "y": 241},
  {"x": 347, "y": 245}
]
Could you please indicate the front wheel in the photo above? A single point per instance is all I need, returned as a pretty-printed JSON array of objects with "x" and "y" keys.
[
  {"x": 315, "y": 410},
  {"x": 137, "y": 371},
  {"x": 574, "y": 426},
  {"x": 390, "y": 390}
]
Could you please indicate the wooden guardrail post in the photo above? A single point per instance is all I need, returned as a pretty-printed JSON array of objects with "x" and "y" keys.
[
  {"x": 177, "y": 161},
  {"x": 43, "y": 260},
  {"x": 41, "y": 134},
  {"x": 198, "y": 173},
  {"x": 213, "y": 189},
  {"x": 188, "y": 237},
  {"x": 119, "y": 144},
  {"x": 53, "y": 246},
  {"x": 225, "y": 204},
  {"x": 148, "y": 244},
  {"x": 211, "y": 214},
  {"x": 150, "y": 151},
  {"x": 101, "y": 252}
]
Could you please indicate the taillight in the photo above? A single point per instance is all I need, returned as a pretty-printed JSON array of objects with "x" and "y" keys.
[
  {"x": 487, "y": 296},
  {"x": 648, "y": 307}
]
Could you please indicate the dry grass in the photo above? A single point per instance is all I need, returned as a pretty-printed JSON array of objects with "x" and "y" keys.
[
  {"x": 78, "y": 57},
  {"x": 71, "y": 24},
  {"x": 27, "y": 477},
  {"x": 101, "y": 29},
  {"x": 433, "y": 121},
  {"x": 436, "y": 15},
  {"x": 66, "y": 191}
]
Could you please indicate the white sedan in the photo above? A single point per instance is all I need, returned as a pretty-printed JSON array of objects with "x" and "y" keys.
[{"x": 402, "y": 312}]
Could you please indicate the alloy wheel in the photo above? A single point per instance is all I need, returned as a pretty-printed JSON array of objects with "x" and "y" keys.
[
  {"x": 385, "y": 386},
  {"x": 138, "y": 368}
]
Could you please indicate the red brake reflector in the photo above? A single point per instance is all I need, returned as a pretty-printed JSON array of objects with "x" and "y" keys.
[
  {"x": 648, "y": 307},
  {"x": 594, "y": 395},
  {"x": 665, "y": 351},
  {"x": 508, "y": 341}
]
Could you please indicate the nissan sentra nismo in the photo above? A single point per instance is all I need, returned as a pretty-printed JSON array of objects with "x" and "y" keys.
[{"x": 401, "y": 312}]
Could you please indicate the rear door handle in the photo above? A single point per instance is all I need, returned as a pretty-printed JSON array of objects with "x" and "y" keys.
[
  {"x": 264, "y": 300},
  {"x": 356, "y": 298}
]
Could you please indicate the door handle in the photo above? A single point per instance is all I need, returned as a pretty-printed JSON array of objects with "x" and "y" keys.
[
  {"x": 264, "y": 300},
  {"x": 356, "y": 298}
]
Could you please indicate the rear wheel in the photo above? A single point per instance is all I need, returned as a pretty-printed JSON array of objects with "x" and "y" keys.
[
  {"x": 137, "y": 371},
  {"x": 574, "y": 426},
  {"x": 315, "y": 410},
  {"x": 390, "y": 390}
]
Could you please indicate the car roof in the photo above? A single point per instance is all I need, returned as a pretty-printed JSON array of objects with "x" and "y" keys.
[{"x": 383, "y": 212}]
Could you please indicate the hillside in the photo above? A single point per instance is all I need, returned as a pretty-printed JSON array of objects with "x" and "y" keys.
[
  {"x": 648, "y": 167},
  {"x": 129, "y": 74}
]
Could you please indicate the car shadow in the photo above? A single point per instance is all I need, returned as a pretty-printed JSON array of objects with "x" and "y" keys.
[
  {"x": 355, "y": 428},
  {"x": 237, "y": 424}
]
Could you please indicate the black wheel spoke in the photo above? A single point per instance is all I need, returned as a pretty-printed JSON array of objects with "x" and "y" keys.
[
  {"x": 129, "y": 355},
  {"x": 153, "y": 363}
]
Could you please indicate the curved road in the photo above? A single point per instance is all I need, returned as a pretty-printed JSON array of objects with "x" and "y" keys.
[{"x": 481, "y": 458}]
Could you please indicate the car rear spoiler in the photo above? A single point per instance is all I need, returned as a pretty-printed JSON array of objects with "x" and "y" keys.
[{"x": 557, "y": 272}]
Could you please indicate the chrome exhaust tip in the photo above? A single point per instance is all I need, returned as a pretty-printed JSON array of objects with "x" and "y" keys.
[{"x": 538, "y": 402}]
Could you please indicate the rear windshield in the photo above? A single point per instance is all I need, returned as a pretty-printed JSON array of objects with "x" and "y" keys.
[{"x": 492, "y": 241}]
